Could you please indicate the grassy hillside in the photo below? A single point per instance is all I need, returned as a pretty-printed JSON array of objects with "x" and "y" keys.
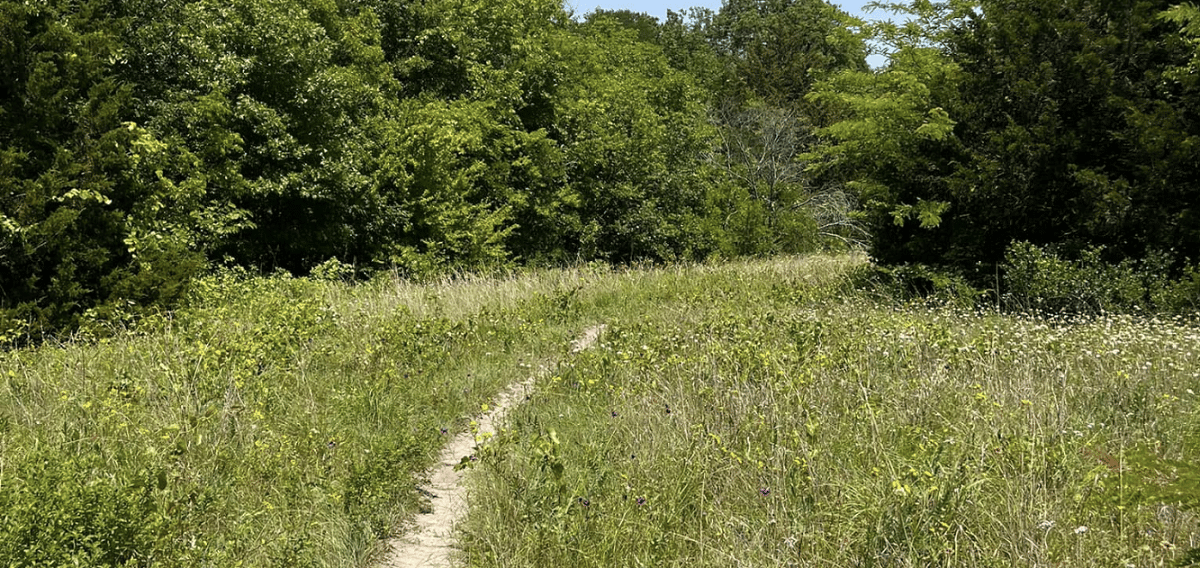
[
  {"x": 765, "y": 413},
  {"x": 278, "y": 422},
  {"x": 779, "y": 418}
]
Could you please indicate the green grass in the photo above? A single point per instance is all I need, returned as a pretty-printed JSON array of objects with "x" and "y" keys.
[
  {"x": 276, "y": 422},
  {"x": 779, "y": 420},
  {"x": 752, "y": 413}
]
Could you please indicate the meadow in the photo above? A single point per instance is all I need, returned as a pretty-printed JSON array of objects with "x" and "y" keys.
[
  {"x": 778, "y": 412},
  {"x": 785, "y": 417},
  {"x": 277, "y": 421}
]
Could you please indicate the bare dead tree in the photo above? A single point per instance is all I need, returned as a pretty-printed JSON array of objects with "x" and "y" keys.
[
  {"x": 833, "y": 208},
  {"x": 761, "y": 148}
]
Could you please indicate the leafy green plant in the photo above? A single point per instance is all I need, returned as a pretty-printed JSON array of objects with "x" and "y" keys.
[
  {"x": 59, "y": 511},
  {"x": 921, "y": 282},
  {"x": 1170, "y": 481},
  {"x": 1040, "y": 279}
]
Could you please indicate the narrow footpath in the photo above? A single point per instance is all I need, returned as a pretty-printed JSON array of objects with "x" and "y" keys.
[{"x": 431, "y": 542}]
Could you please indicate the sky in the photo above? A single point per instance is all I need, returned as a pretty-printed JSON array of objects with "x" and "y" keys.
[{"x": 658, "y": 9}]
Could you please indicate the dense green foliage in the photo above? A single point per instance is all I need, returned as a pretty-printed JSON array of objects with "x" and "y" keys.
[
  {"x": 157, "y": 157},
  {"x": 143, "y": 143},
  {"x": 1070, "y": 125},
  {"x": 1074, "y": 134}
]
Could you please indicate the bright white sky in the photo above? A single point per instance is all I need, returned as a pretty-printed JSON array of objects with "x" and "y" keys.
[{"x": 658, "y": 9}]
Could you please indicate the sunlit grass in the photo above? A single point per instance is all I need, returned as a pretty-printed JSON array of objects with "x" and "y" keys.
[
  {"x": 795, "y": 424},
  {"x": 281, "y": 421},
  {"x": 751, "y": 413},
  {"x": 277, "y": 421}
]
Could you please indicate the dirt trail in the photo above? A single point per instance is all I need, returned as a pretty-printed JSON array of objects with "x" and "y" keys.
[{"x": 430, "y": 543}]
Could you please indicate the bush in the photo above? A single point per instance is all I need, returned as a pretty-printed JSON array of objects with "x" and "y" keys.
[
  {"x": 1037, "y": 278},
  {"x": 919, "y": 281},
  {"x": 1179, "y": 296},
  {"x": 60, "y": 510}
]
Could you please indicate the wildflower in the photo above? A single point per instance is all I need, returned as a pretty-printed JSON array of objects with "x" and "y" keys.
[
  {"x": 445, "y": 431},
  {"x": 1046, "y": 524},
  {"x": 764, "y": 491},
  {"x": 668, "y": 408},
  {"x": 614, "y": 414},
  {"x": 584, "y": 502},
  {"x": 641, "y": 501},
  {"x": 1080, "y": 529}
]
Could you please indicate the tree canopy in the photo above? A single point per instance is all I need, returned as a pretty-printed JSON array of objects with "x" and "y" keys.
[
  {"x": 143, "y": 142},
  {"x": 1063, "y": 124}
]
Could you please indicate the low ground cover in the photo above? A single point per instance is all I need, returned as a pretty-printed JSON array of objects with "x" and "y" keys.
[
  {"x": 760, "y": 412},
  {"x": 277, "y": 421},
  {"x": 783, "y": 419}
]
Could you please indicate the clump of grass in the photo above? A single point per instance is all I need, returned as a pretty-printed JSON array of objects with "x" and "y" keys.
[{"x": 777, "y": 420}]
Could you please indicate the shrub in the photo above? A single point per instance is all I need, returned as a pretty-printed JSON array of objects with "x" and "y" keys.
[
  {"x": 60, "y": 509},
  {"x": 919, "y": 281},
  {"x": 1038, "y": 278}
]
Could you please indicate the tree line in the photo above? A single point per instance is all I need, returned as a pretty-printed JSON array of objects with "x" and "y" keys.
[{"x": 143, "y": 142}]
